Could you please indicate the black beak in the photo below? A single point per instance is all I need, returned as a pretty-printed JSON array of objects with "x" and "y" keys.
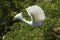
[{"x": 13, "y": 19}]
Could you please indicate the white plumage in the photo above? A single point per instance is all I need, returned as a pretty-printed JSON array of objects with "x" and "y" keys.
[{"x": 36, "y": 13}]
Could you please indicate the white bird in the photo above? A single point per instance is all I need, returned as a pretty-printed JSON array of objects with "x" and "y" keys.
[{"x": 35, "y": 12}]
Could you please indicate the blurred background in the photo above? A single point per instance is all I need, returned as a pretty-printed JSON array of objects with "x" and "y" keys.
[{"x": 18, "y": 30}]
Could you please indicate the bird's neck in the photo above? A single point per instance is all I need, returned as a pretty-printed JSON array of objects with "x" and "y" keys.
[{"x": 28, "y": 22}]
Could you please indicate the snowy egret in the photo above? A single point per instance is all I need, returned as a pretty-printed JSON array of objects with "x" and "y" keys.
[{"x": 35, "y": 12}]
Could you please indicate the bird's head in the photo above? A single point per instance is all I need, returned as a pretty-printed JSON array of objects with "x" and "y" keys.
[{"x": 18, "y": 16}]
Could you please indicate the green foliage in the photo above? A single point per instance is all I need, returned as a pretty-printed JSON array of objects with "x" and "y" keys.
[{"x": 18, "y": 30}]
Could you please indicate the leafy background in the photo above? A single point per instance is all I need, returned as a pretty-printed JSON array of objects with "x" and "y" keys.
[{"x": 18, "y": 30}]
